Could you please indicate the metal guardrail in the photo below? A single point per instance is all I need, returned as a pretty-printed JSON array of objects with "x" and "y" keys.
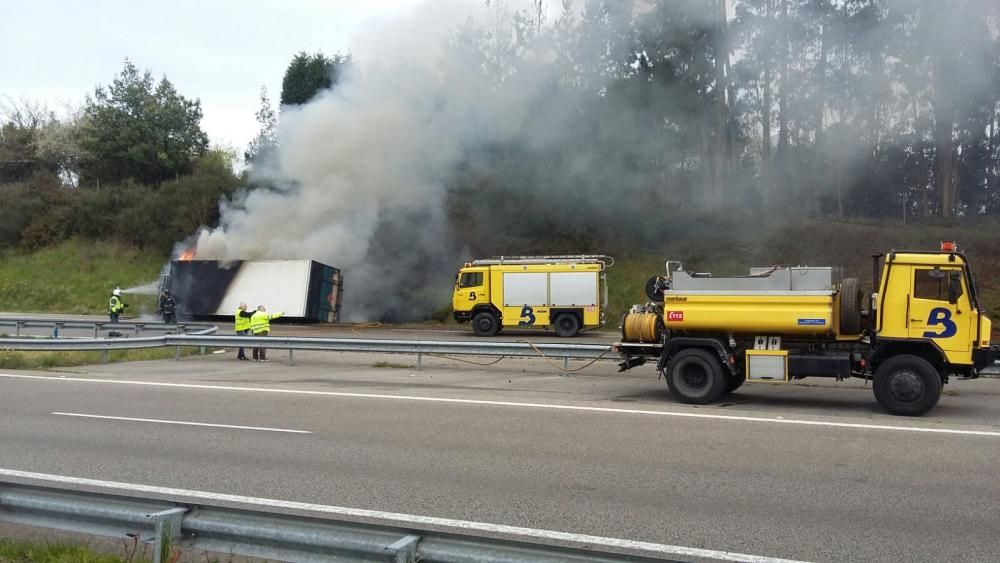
[
  {"x": 205, "y": 338},
  {"x": 104, "y": 327},
  {"x": 419, "y": 348},
  {"x": 196, "y": 524}
]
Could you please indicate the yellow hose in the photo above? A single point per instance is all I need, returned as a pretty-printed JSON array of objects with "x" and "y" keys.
[{"x": 642, "y": 327}]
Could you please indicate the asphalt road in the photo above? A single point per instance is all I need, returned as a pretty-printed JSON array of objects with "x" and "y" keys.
[{"x": 808, "y": 472}]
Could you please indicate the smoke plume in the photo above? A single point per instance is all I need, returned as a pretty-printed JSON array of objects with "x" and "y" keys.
[
  {"x": 483, "y": 128},
  {"x": 359, "y": 177}
]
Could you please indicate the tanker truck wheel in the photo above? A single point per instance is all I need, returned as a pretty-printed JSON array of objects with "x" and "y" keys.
[
  {"x": 850, "y": 306},
  {"x": 907, "y": 385},
  {"x": 734, "y": 382},
  {"x": 695, "y": 376},
  {"x": 485, "y": 324}
]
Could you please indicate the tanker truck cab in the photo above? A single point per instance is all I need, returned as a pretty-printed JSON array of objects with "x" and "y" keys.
[
  {"x": 927, "y": 306},
  {"x": 564, "y": 293},
  {"x": 777, "y": 325}
]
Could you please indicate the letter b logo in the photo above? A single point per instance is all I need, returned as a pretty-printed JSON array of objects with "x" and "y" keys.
[{"x": 941, "y": 316}]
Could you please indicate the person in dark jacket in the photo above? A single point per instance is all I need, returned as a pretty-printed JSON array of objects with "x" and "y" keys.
[{"x": 168, "y": 307}]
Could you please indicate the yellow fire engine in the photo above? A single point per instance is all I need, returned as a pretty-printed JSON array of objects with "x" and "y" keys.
[{"x": 566, "y": 293}]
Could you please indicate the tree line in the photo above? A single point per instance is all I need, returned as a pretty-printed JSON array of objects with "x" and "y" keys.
[
  {"x": 132, "y": 164},
  {"x": 820, "y": 108},
  {"x": 797, "y": 108}
]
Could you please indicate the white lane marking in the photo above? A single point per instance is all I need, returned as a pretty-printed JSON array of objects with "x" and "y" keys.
[
  {"x": 510, "y": 532},
  {"x": 181, "y": 422},
  {"x": 727, "y": 417}
]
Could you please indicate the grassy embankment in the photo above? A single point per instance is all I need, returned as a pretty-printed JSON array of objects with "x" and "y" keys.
[{"x": 76, "y": 278}]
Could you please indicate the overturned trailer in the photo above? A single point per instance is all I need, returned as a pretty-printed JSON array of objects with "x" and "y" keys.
[{"x": 303, "y": 289}]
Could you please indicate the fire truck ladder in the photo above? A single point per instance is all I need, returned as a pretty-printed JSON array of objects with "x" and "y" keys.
[{"x": 607, "y": 261}]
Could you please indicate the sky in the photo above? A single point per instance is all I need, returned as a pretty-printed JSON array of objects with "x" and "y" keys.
[{"x": 218, "y": 51}]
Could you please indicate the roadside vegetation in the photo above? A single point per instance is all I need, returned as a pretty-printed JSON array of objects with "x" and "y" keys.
[
  {"x": 51, "y": 360},
  {"x": 75, "y": 277},
  {"x": 35, "y": 552}
]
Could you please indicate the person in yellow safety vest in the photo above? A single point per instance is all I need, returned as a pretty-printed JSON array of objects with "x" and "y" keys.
[
  {"x": 116, "y": 305},
  {"x": 242, "y": 327},
  {"x": 260, "y": 325}
]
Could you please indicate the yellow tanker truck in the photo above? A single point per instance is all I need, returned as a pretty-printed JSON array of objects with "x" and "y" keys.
[{"x": 709, "y": 335}]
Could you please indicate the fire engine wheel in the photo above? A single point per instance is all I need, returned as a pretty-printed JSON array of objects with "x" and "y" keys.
[
  {"x": 850, "y": 306},
  {"x": 695, "y": 376},
  {"x": 907, "y": 385},
  {"x": 567, "y": 324},
  {"x": 485, "y": 324}
]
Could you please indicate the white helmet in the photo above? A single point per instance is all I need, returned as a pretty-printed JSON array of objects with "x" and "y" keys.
[{"x": 117, "y": 292}]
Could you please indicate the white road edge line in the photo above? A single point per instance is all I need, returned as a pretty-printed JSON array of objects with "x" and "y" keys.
[
  {"x": 651, "y": 549},
  {"x": 181, "y": 422},
  {"x": 611, "y": 410}
]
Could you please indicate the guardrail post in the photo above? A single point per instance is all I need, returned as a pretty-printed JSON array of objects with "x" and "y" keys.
[
  {"x": 168, "y": 528},
  {"x": 201, "y": 350},
  {"x": 404, "y": 550},
  {"x": 55, "y": 329},
  {"x": 97, "y": 329},
  {"x": 420, "y": 361},
  {"x": 177, "y": 354},
  {"x": 105, "y": 357},
  {"x": 138, "y": 329},
  {"x": 290, "y": 353},
  {"x": 566, "y": 362},
  {"x": 17, "y": 329}
]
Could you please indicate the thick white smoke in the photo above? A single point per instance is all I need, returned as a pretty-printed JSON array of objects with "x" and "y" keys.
[{"x": 359, "y": 178}]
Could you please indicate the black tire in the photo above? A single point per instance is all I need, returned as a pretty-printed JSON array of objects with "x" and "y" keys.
[
  {"x": 567, "y": 325},
  {"x": 485, "y": 324},
  {"x": 907, "y": 385},
  {"x": 734, "y": 382},
  {"x": 652, "y": 292},
  {"x": 850, "y": 307},
  {"x": 695, "y": 376}
]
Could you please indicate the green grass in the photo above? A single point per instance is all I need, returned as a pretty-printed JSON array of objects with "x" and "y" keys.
[
  {"x": 76, "y": 277},
  {"x": 33, "y": 552},
  {"x": 49, "y": 360}
]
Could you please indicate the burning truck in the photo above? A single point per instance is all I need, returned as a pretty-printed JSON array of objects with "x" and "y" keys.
[{"x": 305, "y": 290}]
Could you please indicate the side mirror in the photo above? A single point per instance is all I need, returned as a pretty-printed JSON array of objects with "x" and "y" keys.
[{"x": 954, "y": 287}]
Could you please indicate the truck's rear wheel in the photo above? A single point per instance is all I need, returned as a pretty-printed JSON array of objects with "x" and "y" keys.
[
  {"x": 850, "y": 306},
  {"x": 907, "y": 385},
  {"x": 695, "y": 376},
  {"x": 485, "y": 324},
  {"x": 567, "y": 324},
  {"x": 734, "y": 382}
]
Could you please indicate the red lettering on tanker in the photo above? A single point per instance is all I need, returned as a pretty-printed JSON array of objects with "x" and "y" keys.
[{"x": 675, "y": 315}]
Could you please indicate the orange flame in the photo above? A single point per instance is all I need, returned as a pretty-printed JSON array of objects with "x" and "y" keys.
[{"x": 186, "y": 255}]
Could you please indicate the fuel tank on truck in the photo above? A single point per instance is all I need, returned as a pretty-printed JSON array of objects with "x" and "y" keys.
[{"x": 779, "y": 300}]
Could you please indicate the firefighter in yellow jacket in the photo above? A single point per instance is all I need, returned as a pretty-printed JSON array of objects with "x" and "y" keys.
[
  {"x": 260, "y": 325},
  {"x": 116, "y": 305},
  {"x": 242, "y": 327}
]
